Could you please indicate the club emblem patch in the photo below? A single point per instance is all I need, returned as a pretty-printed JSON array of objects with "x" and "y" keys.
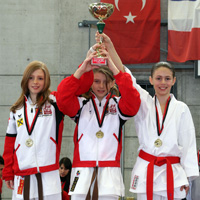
[
  {"x": 75, "y": 181},
  {"x": 47, "y": 109},
  {"x": 20, "y": 122},
  {"x": 20, "y": 186},
  {"x": 135, "y": 182}
]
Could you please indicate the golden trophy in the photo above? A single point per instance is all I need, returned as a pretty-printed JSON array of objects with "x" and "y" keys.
[{"x": 100, "y": 11}]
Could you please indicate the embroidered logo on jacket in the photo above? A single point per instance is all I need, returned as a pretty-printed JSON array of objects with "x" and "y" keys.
[
  {"x": 78, "y": 173},
  {"x": 20, "y": 122},
  {"x": 75, "y": 181},
  {"x": 47, "y": 109},
  {"x": 112, "y": 109},
  {"x": 135, "y": 182},
  {"x": 20, "y": 186}
]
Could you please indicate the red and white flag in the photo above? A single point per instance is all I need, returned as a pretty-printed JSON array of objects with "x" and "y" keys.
[
  {"x": 134, "y": 28},
  {"x": 183, "y": 30}
]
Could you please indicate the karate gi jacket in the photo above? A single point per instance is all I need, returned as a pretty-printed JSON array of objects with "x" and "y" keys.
[{"x": 178, "y": 139}]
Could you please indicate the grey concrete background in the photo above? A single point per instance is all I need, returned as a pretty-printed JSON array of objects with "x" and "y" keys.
[{"x": 47, "y": 30}]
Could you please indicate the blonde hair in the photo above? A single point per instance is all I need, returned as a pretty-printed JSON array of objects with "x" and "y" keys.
[
  {"x": 43, "y": 96},
  {"x": 109, "y": 78}
]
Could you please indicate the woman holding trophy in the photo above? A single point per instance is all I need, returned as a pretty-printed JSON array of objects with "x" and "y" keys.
[{"x": 99, "y": 117}]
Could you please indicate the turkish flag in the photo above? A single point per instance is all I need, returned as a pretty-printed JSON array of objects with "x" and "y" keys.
[{"x": 134, "y": 28}]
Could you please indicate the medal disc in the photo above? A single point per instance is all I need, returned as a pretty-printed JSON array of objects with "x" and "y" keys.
[
  {"x": 99, "y": 134},
  {"x": 29, "y": 142},
  {"x": 158, "y": 143}
]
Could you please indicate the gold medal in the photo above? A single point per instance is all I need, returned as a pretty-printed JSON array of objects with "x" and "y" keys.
[
  {"x": 99, "y": 134},
  {"x": 158, "y": 143},
  {"x": 29, "y": 142}
]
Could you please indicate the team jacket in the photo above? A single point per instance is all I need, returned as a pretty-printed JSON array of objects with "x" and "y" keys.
[
  {"x": 44, "y": 127},
  {"x": 92, "y": 116}
]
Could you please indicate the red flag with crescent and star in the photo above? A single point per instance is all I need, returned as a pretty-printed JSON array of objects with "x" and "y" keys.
[{"x": 134, "y": 28}]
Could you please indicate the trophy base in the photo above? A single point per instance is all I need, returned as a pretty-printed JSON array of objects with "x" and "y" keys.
[{"x": 99, "y": 61}]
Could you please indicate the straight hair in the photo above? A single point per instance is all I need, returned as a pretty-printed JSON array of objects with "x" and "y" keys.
[{"x": 43, "y": 96}]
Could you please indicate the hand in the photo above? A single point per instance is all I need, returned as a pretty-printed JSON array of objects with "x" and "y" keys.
[
  {"x": 86, "y": 66},
  {"x": 110, "y": 63},
  {"x": 184, "y": 187},
  {"x": 93, "y": 49},
  {"x": 107, "y": 43},
  {"x": 10, "y": 184},
  {"x": 99, "y": 45}
]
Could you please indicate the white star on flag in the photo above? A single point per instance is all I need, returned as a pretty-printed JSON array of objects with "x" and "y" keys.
[{"x": 130, "y": 18}]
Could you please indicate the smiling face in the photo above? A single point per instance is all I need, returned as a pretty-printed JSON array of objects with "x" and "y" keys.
[
  {"x": 101, "y": 86},
  {"x": 162, "y": 81},
  {"x": 36, "y": 83}
]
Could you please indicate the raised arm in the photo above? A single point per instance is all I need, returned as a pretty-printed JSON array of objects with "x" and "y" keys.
[
  {"x": 69, "y": 89},
  {"x": 130, "y": 101},
  {"x": 108, "y": 45}
]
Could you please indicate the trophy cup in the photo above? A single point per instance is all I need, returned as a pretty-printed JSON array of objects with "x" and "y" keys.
[{"x": 101, "y": 11}]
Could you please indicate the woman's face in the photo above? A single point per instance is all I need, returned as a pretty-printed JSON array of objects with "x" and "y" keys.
[
  {"x": 100, "y": 86},
  {"x": 63, "y": 171},
  {"x": 36, "y": 83},
  {"x": 162, "y": 81}
]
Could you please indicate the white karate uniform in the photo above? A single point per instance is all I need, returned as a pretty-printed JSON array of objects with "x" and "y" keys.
[{"x": 178, "y": 139}]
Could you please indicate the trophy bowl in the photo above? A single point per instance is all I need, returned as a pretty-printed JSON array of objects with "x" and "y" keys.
[{"x": 101, "y": 11}]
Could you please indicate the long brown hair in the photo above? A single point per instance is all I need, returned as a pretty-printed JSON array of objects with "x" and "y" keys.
[
  {"x": 43, "y": 96},
  {"x": 109, "y": 78}
]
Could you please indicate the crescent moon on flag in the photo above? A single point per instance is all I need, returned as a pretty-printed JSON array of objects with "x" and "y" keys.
[
  {"x": 143, "y": 4},
  {"x": 116, "y": 4},
  {"x": 117, "y": 1}
]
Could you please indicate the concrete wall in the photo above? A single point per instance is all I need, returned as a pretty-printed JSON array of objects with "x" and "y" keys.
[{"x": 47, "y": 30}]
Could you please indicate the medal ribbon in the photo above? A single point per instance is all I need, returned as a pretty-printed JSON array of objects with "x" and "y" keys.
[
  {"x": 30, "y": 129},
  {"x": 159, "y": 130},
  {"x": 100, "y": 119}
]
